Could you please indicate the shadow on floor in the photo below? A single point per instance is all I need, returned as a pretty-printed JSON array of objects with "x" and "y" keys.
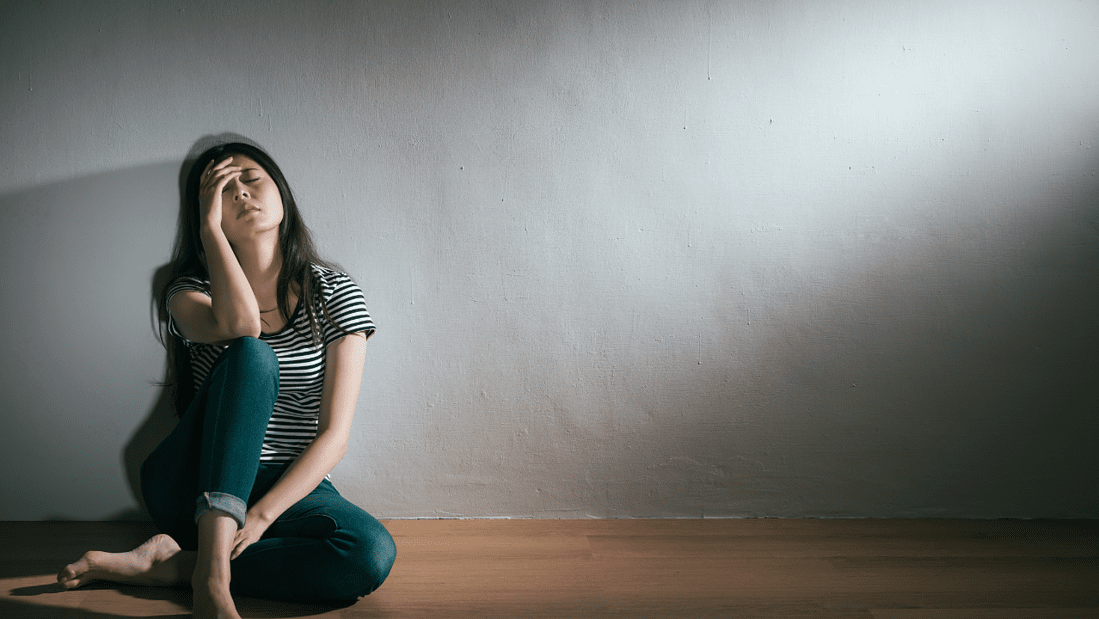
[{"x": 48, "y": 599}]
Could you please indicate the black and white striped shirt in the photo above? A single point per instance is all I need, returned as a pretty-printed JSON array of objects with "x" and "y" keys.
[{"x": 293, "y": 423}]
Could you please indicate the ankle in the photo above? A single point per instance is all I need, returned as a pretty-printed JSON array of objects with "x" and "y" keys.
[{"x": 210, "y": 574}]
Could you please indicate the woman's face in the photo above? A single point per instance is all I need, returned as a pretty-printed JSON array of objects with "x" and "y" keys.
[{"x": 251, "y": 205}]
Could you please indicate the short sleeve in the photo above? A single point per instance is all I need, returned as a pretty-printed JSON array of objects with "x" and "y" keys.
[
  {"x": 182, "y": 284},
  {"x": 346, "y": 306}
]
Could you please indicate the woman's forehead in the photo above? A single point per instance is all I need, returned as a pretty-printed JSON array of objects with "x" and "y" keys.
[{"x": 245, "y": 162}]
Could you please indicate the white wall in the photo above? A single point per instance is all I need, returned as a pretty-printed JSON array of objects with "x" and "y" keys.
[{"x": 627, "y": 259}]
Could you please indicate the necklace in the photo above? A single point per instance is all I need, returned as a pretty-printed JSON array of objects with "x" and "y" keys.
[{"x": 268, "y": 311}]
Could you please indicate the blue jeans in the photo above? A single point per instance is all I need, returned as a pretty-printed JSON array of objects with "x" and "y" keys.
[{"x": 321, "y": 549}]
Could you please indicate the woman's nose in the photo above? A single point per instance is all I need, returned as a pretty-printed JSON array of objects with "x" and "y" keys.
[{"x": 240, "y": 190}]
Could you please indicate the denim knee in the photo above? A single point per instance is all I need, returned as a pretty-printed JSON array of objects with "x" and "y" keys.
[
  {"x": 250, "y": 359},
  {"x": 370, "y": 559},
  {"x": 255, "y": 353}
]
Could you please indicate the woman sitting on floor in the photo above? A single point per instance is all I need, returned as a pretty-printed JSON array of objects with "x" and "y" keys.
[{"x": 270, "y": 346}]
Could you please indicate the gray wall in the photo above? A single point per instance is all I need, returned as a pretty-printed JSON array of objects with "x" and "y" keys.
[{"x": 627, "y": 259}]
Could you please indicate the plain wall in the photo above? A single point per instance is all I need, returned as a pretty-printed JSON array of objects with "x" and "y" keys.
[{"x": 627, "y": 259}]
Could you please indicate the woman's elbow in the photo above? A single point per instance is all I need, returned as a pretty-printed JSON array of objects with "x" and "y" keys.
[
  {"x": 337, "y": 448},
  {"x": 340, "y": 451},
  {"x": 245, "y": 328}
]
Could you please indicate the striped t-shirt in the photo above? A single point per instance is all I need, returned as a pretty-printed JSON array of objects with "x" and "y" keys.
[{"x": 293, "y": 423}]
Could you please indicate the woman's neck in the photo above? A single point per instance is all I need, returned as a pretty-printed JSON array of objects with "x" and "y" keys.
[{"x": 261, "y": 263}]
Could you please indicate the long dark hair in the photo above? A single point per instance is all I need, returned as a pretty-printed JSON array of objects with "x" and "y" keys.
[{"x": 299, "y": 254}]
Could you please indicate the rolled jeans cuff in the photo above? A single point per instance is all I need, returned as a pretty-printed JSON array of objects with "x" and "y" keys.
[{"x": 225, "y": 502}]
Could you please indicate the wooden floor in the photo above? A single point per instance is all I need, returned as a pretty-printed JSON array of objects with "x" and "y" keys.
[{"x": 884, "y": 569}]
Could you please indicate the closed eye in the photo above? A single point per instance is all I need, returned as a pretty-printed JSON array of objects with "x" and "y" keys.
[{"x": 247, "y": 181}]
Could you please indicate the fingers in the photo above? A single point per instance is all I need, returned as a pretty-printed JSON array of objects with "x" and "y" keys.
[
  {"x": 241, "y": 542},
  {"x": 212, "y": 182},
  {"x": 219, "y": 174},
  {"x": 239, "y": 548},
  {"x": 214, "y": 164}
]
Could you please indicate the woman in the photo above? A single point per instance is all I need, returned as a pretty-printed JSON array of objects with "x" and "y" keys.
[{"x": 273, "y": 342}]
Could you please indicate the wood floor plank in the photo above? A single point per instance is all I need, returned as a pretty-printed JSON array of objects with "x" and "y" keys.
[
  {"x": 742, "y": 546},
  {"x": 984, "y": 613},
  {"x": 865, "y": 569}
]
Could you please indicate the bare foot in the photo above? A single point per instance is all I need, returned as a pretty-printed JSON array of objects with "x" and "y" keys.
[
  {"x": 157, "y": 562},
  {"x": 212, "y": 599}
]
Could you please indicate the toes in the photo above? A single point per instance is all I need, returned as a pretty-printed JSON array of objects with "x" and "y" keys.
[
  {"x": 74, "y": 574},
  {"x": 67, "y": 574},
  {"x": 70, "y": 580},
  {"x": 73, "y": 583}
]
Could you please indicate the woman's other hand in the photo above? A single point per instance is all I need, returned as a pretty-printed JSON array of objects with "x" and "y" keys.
[
  {"x": 211, "y": 187},
  {"x": 254, "y": 527}
]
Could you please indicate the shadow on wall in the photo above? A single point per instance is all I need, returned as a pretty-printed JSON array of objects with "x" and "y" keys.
[
  {"x": 933, "y": 357},
  {"x": 81, "y": 258},
  {"x": 83, "y": 359}
]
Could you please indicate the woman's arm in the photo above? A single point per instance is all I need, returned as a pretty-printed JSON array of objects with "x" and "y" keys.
[
  {"x": 342, "y": 378},
  {"x": 231, "y": 310}
]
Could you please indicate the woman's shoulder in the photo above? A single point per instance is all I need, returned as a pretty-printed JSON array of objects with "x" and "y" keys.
[
  {"x": 187, "y": 282},
  {"x": 332, "y": 280},
  {"x": 344, "y": 302},
  {"x": 328, "y": 273}
]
